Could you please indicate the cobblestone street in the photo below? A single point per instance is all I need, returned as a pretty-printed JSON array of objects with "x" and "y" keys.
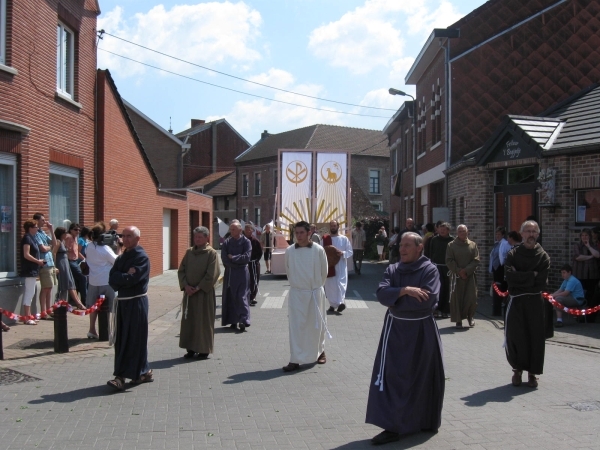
[{"x": 241, "y": 399}]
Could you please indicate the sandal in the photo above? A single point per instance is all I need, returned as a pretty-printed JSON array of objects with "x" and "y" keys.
[
  {"x": 31, "y": 322},
  {"x": 145, "y": 378},
  {"x": 516, "y": 378},
  {"x": 322, "y": 359},
  {"x": 118, "y": 383},
  {"x": 532, "y": 381},
  {"x": 5, "y": 327}
]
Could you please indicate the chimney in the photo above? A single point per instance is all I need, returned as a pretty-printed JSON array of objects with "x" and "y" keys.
[
  {"x": 196, "y": 122},
  {"x": 264, "y": 134}
]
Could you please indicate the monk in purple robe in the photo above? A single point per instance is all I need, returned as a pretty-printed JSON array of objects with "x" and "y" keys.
[
  {"x": 235, "y": 254},
  {"x": 407, "y": 386}
]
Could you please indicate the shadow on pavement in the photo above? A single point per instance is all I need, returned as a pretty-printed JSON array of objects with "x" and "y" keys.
[
  {"x": 408, "y": 441},
  {"x": 169, "y": 363},
  {"x": 500, "y": 394},
  {"x": 452, "y": 329},
  {"x": 77, "y": 394},
  {"x": 259, "y": 375}
]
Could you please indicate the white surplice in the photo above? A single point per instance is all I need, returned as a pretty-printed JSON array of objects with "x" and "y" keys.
[
  {"x": 306, "y": 269},
  {"x": 335, "y": 287}
]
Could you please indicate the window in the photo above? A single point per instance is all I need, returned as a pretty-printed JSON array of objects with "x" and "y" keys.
[
  {"x": 521, "y": 175},
  {"x": 226, "y": 205},
  {"x": 588, "y": 206},
  {"x": 64, "y": 60},
  {"x": 8, "y": 202},
  {"x": 257, "y": 216},
  {"x": 245, "y": 185},
  {"x": 374, "y": 181},
  {"x": 64, "y": 195},
  {"x": 245, "y": 214},
  {"x": 377, "y": 205},
  {"x": 422, "y": 127},
  {"x": 275, "y": 181},
  {"x": 2, "y": 34},
  {"x": 257, "y": 184},
  {"x": 405, "y": 151}
]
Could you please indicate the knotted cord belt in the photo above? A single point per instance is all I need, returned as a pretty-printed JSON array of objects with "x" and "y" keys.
[
  {"x": 386, "y": 334},
  {"x": 113, "y": 331}
]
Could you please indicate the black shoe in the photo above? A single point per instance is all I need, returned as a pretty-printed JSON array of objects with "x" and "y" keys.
[
  {"x": 189, "y": 354},
  {"x": 559, "y": 324},
  {"x": 202, "y": 355},
  {"x": 242, "y": 327},
  {"x": 341, "y": 308},
  {"x": 253, "y": 302},
  {"x": 385, "y": 437},
  {"x": 331, "y": 309}
]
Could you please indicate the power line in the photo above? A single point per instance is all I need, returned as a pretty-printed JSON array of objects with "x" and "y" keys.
[
  {"x": 241, "y": 92},
  {"x": 102, "y": 32}
]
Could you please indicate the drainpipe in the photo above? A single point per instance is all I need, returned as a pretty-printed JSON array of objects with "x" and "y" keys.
[{"x": 214, "y": 147}]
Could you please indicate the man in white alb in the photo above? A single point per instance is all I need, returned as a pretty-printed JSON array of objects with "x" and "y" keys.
[
  {"x": 337, "y": 247},
  {"x": 306, "y": 268}
]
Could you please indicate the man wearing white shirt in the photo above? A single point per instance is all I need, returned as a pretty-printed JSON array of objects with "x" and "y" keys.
[
  {"x": 100, "y": 258},
  {"x": 337, "y": 246}
]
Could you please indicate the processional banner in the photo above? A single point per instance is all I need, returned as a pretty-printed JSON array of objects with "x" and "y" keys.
[
  {"x": 296, "y": 188},
  {"x": 331, "y": 187}
]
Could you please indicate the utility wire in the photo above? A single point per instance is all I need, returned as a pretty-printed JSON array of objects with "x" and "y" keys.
[
  {"x": 239, "y": 78},
  {"x": 241, "y": 92}
]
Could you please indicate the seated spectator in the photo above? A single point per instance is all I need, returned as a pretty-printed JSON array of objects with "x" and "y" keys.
[{"x": 570, "y": 293}]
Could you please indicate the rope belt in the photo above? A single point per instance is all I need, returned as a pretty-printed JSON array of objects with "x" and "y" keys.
[
  {"x": 386, "y": 334},
  {"x": 511, "y": 297},
  {"x": 453, "y": 278},
  {"x": 113, "y": 330},
  {"x": 320, "y": 313}
]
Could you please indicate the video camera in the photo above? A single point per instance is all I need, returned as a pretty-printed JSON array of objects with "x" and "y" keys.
[{"x": 109, "y": 238}]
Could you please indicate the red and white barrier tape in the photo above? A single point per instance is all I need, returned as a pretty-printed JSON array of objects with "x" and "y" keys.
[
  {"x": 77, "y": 312},
  {"x": 572, "y": 311}
]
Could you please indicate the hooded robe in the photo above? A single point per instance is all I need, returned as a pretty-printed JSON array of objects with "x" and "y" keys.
[
  {"x": 407, "y": 391},
  {"x": 199, "y": 268}
]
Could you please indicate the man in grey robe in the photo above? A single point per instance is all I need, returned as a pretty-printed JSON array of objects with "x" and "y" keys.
[
  {"x": 235, "y": 255},
  {"x": 407, "y": 385},
  {"x": 198, "y": 273}
]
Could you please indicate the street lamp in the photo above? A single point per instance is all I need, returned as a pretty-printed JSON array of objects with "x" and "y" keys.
[{"x": 394, "y": 91}]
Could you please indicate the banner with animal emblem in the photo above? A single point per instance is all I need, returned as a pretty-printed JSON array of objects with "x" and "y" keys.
[
  {"x": 331, "y": 187},
  {"x": 296, "y": 188}
]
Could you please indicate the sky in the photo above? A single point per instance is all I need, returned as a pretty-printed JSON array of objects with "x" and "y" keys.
[{"x": 349, "y": 51}]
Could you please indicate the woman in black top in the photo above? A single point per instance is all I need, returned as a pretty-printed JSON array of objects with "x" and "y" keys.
[{"x": 30, "y": 266}]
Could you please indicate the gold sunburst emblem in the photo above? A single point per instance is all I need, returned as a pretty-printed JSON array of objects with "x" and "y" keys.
[
  {"x": 331, "y": 172},
  {"x": 296, "y": 172}
]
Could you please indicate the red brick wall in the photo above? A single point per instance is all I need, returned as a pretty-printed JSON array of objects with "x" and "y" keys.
[
  {"x": 28, "y": 99},
  {"x": 128, "y": 191},
  {"x": 524, "y": 71}
]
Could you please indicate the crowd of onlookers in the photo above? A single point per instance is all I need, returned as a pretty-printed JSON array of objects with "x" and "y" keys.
[{"x": 74, "y": 259}]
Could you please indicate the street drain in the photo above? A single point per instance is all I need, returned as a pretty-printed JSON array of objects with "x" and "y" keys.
[
  {"x": 9, "y": 376},
  {"x": 585, "y": 406}
]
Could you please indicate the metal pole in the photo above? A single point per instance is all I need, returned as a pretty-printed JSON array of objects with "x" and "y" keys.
[{"x": 103, "y": 327}]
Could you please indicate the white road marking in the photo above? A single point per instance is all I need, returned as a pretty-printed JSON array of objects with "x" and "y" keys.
[
  {"x": 355, "y": 303},
  {"x": 273, "y": 303},
  {"x": 357, "y": 295}
]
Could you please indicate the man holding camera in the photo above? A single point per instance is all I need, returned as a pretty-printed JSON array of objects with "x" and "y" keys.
[{"x": 100, "y": 258}]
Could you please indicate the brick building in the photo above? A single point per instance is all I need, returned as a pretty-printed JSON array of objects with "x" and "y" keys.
[
  {"x": 213, "y": 148},
  {"x": 76, "y": 156},
  {"x": 130, "y": 188},
  {"x": 257, "y": 170},
  {"x": 46, "y": 117}
]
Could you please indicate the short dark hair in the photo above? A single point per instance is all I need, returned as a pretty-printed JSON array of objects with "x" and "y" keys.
[
  {"x": 38, "y": 216},
  {"x": 358, "y": 225},
  {"x": 59, "y": 232},
  {"x": 430, "y": 227},
  {"x": 515, "y": 236},
  {"x": 73, "y": 226},
  {"x": 501, "y": 230},
  {"x": 302, "y": 224},
  {"x": 29, "y": 224},
  {"x": 566, "y": 268}
]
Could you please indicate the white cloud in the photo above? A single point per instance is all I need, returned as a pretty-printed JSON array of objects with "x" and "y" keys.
[
  {"x": 381, "y": 98},
  {"x": 205, "y": 33},
  {"x": 260, "y": 114},
  {"x": 400, "y": 68},
  {"x": 371, "y": 35}
]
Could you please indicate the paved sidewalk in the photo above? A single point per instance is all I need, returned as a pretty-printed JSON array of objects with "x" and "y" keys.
[{"x": 240, "y": 398}]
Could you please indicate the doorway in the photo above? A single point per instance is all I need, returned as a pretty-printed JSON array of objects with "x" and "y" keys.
[{"x": 515, "y": 196}]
